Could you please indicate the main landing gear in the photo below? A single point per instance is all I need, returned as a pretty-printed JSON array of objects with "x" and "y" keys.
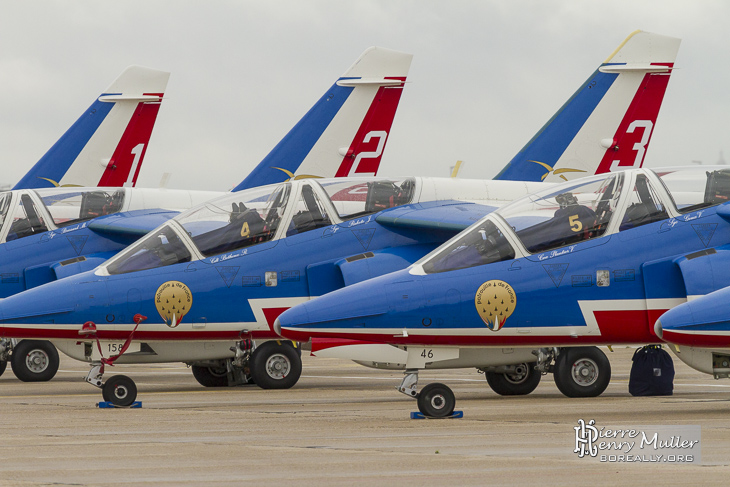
[
  {"x": 582, "y": 371},
  {"x": 31, "y": 360},
  {"x": 5, "y": 346},
  {"x": 513, "y": 380},
  {"x": 274, "y": 364},
  {"x": 226, "y": 372},
  {"x": 577, "y": 372}
]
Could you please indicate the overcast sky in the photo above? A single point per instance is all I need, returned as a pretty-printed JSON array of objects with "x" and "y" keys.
[{"x": 486, "y": 75}]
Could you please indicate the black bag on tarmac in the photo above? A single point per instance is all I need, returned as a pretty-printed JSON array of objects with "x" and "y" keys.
[{"x": 652, "y": 373}]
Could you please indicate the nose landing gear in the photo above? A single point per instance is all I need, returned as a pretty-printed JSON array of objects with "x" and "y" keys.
[
  {"x": 434, "y": 401},
  {"x": 119, "y": 390}
]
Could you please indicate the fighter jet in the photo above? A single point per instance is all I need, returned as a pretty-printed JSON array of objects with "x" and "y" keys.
[
  {"x": 537, "y": 285},
  {"x": 47, "y": 234},
  {"x": 212, "y": 281}
]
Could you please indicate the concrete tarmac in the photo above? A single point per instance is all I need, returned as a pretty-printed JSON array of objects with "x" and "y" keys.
[{"x": 342, "y": 424}]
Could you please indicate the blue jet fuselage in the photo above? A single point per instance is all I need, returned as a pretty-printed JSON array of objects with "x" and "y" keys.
[
  {"x": 232, "y": 292},
  {"x": 48, "y": 234},
  {"x": 605, "y": 288}
]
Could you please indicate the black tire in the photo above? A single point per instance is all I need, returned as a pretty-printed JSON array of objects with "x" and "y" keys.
[
  {"x": 119, "y": 390},
  {"x": 275, "y": 365},
  {"x": 582, "y": 371},
  {"x": 521, "y": 382},
  {"x": 436, "y": 401},
  {"x": 105, "y": 394},
  {"x": 211, "y": 376},
  {"x": 3, "y": 365},
  {"x": 34, "y": 360}
]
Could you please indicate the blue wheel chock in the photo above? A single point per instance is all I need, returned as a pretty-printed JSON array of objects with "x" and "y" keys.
[
  {"x": 454, "y": 415},
  {"x": 109, "y": 405}
]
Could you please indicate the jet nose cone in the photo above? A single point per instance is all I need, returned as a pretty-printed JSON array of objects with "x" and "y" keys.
[
  {"x": 56, "y": 304},
  {"x": 700, "y": 322},
  {"x": 49, "y": 299},
  {"x": 277, "y": 327},
  {"x": 338, "y": 313},
  {"x": 678, "y": 318},
  {"x": 286, "y": 325},
  {"x": 26, "y": 314}
]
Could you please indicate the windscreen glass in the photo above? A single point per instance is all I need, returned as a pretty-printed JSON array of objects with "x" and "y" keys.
[
  {"x": 4, "y": 206},
  {"x": 237, "y": 220},
  {"x": 309, "y": 213},
  {"x": 482, "y": 244},
  {"x": 565, "y": 214},
  {"x": 696, "y": 188},
  {"x": 68, "y": 206},
  {"x": 26, "y": 219},
  {"x": 645, "y": 206},
  {"x": 159, "y": 248},
  {"x": 353, "y": 198}
]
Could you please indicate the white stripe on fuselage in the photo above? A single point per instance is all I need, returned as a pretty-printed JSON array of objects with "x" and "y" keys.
[
  {"x": 588, "y": 309},
  {"x": 257, "y": 307}
]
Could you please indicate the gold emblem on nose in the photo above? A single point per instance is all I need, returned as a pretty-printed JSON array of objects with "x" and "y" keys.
[
  {"x": 495, "y": 302},
  {"x": 173, "y": 300}
]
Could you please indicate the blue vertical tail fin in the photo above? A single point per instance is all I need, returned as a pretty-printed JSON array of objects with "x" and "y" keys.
[
  {"x": 345, "y": 132},
  {"x": 607, "y": 124},
  {"x": 106, "y": 145}
]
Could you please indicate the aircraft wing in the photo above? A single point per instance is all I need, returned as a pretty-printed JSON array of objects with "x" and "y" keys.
[
  {"x": 131, "y": 225},
  {"x": 448, "y": 216}
]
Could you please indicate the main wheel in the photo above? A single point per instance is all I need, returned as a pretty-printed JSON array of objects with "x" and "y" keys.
[
  {"x": 521, "y": 382},
  {"x": 211, "y": 376},
  {"x": 119, "y": 390},
  {"x": 34, "y": 360},
  {"x": 436, "y": 400},
  {"x": 3, "y": 364},
  {"x": 582, "y": 371},
  {"x": 275, "y": 365}
]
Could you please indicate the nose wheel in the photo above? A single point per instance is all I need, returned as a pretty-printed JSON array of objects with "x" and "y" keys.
[
  {"x": 119, "y": 390},
  {"x": 436, "y": 401}
]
